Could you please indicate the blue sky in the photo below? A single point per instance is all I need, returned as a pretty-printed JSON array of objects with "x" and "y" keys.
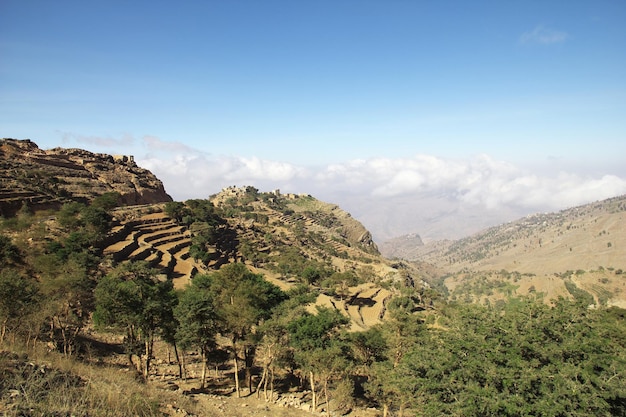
[{"x": 282, "y": 93}]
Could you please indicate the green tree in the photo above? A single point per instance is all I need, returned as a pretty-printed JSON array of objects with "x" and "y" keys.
[
  {"x": 203, "y": 211},
  {"x": 250, "y": 253},
  {"x": 318, "y": 349},
  {"x": 368, "y": 347},
  {"x": 176, "y": 210},
  {"x": 340, "y": 282},
  {"x": 97, "y": 220},
  {"x": 243, "y": 299},
  {"x": 525, "y": 358},
  {"x": 67, "y": 287},
  {"x": 393, "y": 386},
  {"x": 198, "y": 320},
  {"x": 131, "y": 297},
  {"x": 107, "y": 201},
  {"x": 290, "y": 261},
  {"x": 69, "y": 272},
  {"x": 389, "y": 380},
  {"x": 68, "y": 215},
  {"x": 272, "y": 352},
  {"x": 403, "y": 328},
  {"x": 19, "y": 296},
  {"x": 311, "y": 274}
]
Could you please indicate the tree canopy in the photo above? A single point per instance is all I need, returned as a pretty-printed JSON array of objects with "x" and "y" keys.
[{"x": 133, "y": 299}]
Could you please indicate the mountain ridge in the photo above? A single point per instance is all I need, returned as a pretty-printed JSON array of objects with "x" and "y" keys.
[
  {"x": 503, "y": 232},
  {"x": 44, "y": 179},
  {"x": 556, "y": 254}
]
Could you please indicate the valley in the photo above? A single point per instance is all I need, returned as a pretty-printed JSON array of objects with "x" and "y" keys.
[
  {"x": 583, "y": 246},
  {"x": 121, "y": 301}
]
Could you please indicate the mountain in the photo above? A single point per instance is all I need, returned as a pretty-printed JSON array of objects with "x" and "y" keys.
[
  {"x": 403, "y": 247},
  {"x": 434, "y": 216},
  {"x": 285, "y": 237},
  {"x": 583, "y": 246},
  {"x": 48, "y": 178},
  {"x": 290, "y": 239}
]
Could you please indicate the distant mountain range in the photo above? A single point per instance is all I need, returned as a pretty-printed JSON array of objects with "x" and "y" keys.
[
  {"x": 584, "y": 245},
  {"x": 432, "y": 216}
]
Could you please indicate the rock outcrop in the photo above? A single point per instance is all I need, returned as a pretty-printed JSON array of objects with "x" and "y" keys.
[
  {"x": 42, "y": 179},
  {"x": 403, "y": 247}
]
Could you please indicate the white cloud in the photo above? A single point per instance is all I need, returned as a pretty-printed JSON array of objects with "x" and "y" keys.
[
  {"x": 543, "y": 35},
  {"x": 477, "y": 184},
  {"x": 197, "y": 176},
  {"x": 477, "y": 181},
  {"x": 259, "y": 169}
]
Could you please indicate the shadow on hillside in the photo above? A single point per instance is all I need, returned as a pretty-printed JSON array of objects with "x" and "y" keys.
[
  {"x": 89, "y": 346},
  {"x": 363, "y": 302}
]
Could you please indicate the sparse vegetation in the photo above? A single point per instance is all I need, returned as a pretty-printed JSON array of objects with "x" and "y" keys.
[{"x": 346, "y": 330}]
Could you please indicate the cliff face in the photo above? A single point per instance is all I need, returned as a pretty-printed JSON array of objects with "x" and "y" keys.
[{"x": 48, "y": 178}]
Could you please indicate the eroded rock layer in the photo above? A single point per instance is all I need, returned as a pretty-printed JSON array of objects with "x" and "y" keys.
[{"x": 42, "y": 179}]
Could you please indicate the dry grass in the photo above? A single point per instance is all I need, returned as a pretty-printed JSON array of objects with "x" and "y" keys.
[
  {"x": 40, "y": 383},
  {"x": 47, "y": 384}
]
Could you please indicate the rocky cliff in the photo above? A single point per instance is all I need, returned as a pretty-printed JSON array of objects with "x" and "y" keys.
[{"x": 48, "y": 178}]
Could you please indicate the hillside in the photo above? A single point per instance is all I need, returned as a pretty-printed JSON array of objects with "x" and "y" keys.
[
  {"x": 44, "y": 179},
  {"x": 583, "y": 245},
  {"x": 261, "y": 303},
  {"x": 70, "y": 239},
  {"x": 279, "y": 236},
  {"x": 276, "y": 235}
]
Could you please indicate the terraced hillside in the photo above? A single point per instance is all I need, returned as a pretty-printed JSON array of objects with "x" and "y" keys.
[
  {"x": 158, "y": 240},
  {"x": 291, "y": 240}
]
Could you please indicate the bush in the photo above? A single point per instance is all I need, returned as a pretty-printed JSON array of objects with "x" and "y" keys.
[{"x": 9, "y": 253}]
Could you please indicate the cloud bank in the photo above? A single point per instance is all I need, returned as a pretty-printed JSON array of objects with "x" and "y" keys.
[
  {"x": 433, "y": 196},
  {"x": 478, "y": 184}
]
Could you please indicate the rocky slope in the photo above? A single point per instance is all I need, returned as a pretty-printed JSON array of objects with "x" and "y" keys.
[
  {"x": 545, "y": 253},
  {"x": 44, "y": 179},
  {"x": 583, "y": 237},
  {"x": 402, "y": 247}
]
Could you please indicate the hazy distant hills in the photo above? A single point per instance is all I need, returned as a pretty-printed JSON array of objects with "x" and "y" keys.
[
  {"x": 444, "y": 218},
  {"x": 403, "y": 247},
  {"x": 585, "y": 246}
]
